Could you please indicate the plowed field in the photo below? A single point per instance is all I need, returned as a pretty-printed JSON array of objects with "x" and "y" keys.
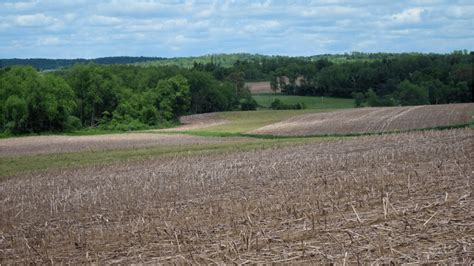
[
  {"x": 404, "y": 198},
  {"x": 65, "y": 144},
  {"x": 372, "y": 120}
]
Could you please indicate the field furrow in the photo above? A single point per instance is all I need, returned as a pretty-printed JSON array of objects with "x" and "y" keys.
[
  {"x": 404, "y": 198},
  {"x": 67, "y": 144},
  {"x": 372, "y": 120}
]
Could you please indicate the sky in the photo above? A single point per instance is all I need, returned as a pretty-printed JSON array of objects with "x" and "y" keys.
[{"x": 91, "y": 28}]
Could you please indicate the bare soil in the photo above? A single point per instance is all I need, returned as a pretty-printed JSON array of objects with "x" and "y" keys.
[
  {"x": 260, "y": 87},
  {"x": 372, "y": 120},
  {"x": 404, "y": 198},
  {"x": 198, "y": 121}
]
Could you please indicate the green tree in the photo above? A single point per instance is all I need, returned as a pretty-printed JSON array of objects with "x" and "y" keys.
[
  {"x": 412, "y": 94},
  {"x": 237, "y": 79},
  {"x": 173, "y": 97},
  {"x": 15, "y": 113},
  {"x": 34, "y": 102},
  {"x": 274, "y": 83},
  {"x": 97, "y": 90},
  {"x": 248, "y": 104},
  {"x": 359, "y": 99},
  {"x": 372, "y": 98}
]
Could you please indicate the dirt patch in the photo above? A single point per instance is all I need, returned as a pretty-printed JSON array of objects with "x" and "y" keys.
[
  {"x": 372, "y": 120},
  {"x": 198, "y": 121},
  {"x": 404, "y": 198},
  {"x": 64, "y": 144},
  {"x": 260, "y": 87}
]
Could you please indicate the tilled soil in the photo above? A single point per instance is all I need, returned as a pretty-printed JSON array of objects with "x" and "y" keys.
[
  {"x": 198, "y": 121},
  {"x": 64, "y": 144},
  {"x": 372, "y": 120},
  {"x": 404, "y": 198},
  {"x": 260, "y": 87}
]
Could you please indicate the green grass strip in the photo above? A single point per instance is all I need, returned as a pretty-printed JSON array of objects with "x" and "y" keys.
[
  {"x": 326, "y": 136},
  {"x": 13, "y": 165}
]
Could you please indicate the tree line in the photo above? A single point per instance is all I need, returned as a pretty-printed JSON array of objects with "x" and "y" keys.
[
  {"x": 52, "y": 64},
  {"x": 124, "y": 97},
  {"x": 381, "y": 79},
  {"x": 116, "y": 97},
  {"x": 404, "y": 79}
]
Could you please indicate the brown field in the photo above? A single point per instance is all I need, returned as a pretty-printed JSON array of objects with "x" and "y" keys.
[
  {"x": 260, "y": 87},
  {"x": 372, "y": 120},
  {"x": 65, "y": 144},
  {"x": 404, "y": 198},
  {"x": 198, "y": 121}
]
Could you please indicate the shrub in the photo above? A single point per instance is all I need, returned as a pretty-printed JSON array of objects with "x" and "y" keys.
[
  {"x": 248, "y": 104},
  {"x": 73, "y": 123},
  {"x": 279, "y": 105}
]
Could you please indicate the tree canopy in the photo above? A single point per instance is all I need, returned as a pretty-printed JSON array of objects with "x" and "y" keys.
[{"x": 117, "y": 97}]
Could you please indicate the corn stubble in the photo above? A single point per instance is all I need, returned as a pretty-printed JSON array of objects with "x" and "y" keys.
[
  {"x": 403, "y": 198},
  {"x": 372, "y": 120},
  {"x": 36, "y": 145}
]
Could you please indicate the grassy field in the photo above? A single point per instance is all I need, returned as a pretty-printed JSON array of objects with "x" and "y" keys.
[
  {"x": 310, "y": 102},
  {"x": 243, "y": 121}
]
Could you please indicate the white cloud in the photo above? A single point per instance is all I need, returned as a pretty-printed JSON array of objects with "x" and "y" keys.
[
  {"x": 20, "y": 5},
  {"x": 184, "y": 27},
  {"x": 104, "y": 20},
  {"x": 260, "y": 26},
  {"x": 412, "y": 15},
  {"x": 325, "y": 11},
  {"x": 49, "y": 41},
  {"x": 461, "y": 12},
  {"x": 205, "y": 13},
  {"x": 34, "y": 20},
  {"x": 261, "y": 4},
  {"x": 133, "y": 8}
]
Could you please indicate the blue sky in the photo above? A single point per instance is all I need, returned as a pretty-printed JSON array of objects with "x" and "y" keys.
[{"x": 91, "y": 28}]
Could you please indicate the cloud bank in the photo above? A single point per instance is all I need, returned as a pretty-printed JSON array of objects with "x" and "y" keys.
[{"x": 89, "y": 28}]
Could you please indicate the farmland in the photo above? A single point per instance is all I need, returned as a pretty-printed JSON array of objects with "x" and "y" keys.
[
  {"x": 244, "y": 122},
  {"x": 213, "y": 191},
  {"x": 404, "y": 198},
  {"x": 260, "y": 87},
  {"x": 229, "y": 133},
  {"x": 65, "y": 144},
  {"x": 372, "y": 120},
  {"x": 241, "y": 122}
]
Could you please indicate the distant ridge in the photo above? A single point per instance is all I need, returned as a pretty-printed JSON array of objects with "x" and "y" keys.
[
  {"x": 50, "y": 64},
  {"x": 221, "y": 59}
]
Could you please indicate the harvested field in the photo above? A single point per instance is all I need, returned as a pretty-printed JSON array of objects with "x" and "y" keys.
[
  {"x": 198, "y": 121},
  {"x": 260, "y": 87},
  {"x": 404, "y": 198},
  {"x": 372, "y": 120},
  {"x": 65, "y": 144}
]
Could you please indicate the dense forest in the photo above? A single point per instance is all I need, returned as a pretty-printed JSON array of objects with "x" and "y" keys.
[
  {"x": 116, "y": 97},
  {"x": 126, "y": 97},
  {"x": 371, "y": 79}
]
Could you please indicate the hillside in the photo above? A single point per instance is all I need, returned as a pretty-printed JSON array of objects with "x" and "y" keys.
[{"x": 372, "y": 120}]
